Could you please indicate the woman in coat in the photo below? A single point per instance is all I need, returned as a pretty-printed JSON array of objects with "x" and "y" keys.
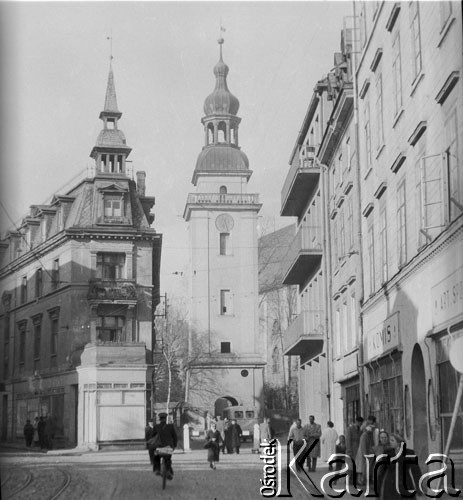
[
  {"x": 398, "y": 475},
  {"x": 328, "y": 440},
  {"x": 365, "y": 448},
  {"x": 213, "y": 441}
]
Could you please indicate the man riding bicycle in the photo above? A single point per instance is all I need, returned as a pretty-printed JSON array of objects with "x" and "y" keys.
[{"x": 166, "y": 436}]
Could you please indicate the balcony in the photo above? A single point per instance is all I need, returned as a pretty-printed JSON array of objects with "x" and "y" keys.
[
  {"x": 299, "y": 187},
  {"x": 220, "y": 201},
  {"x": 112, "y": 291},
  {"x": 304, "y": 336},
  {"x": 305, "y": 255}
]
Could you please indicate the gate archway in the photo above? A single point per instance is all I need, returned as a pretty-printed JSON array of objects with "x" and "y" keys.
[{"x": 222, "y": 403}]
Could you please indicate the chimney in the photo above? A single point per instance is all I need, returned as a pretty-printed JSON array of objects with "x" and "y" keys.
[{"x": 141, "y": 176}]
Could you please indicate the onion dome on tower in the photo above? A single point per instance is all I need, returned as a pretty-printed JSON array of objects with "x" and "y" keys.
[
  {"x": 111, "y": 150},
  {"x": 221, "y": 154}
]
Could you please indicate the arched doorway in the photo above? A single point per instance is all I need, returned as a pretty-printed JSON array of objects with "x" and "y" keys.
[
  {"x": 420, "y": 421},
  {"x": 222, "y": 403}
]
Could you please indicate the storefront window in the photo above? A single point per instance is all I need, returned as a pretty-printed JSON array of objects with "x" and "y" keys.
[
  {"x": 408, "y": 412},
  {"x": 352, "y": 404},
  {"x": 448, "y": 386},
  {"x": 386, "y": 393}
]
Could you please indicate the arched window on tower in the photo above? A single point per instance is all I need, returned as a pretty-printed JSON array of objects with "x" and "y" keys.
[
  {"x": 223, "y": 192},
  {"x": 233, "y": 136},
  {"x": 222, "y": 132},
  {"x": 210, "y": 134}
]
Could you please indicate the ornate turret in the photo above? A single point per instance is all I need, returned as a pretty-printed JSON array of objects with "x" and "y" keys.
[
  {"x": 221, "y": 153},
  {"x": 111, "y": 150}
]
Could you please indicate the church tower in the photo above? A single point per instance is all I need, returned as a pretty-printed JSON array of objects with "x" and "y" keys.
[{"x": 225, "y": 348}]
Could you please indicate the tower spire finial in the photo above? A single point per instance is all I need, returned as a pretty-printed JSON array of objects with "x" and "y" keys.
[
  {"x": 221, "y": 40},
  {"x": 110, "y": 38}
]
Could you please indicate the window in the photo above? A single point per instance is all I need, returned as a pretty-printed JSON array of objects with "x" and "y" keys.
[
  {"x": 225, "y": 302},
  {"x": 350, "y": 223},
  {"x": 367, "y": 130},
  {"x": 224, "y": 243},
  {"x": 37, "y": 322},
  {"x": 383, "y": 244},
  {"x": 225, "y": 347},
  {"x": 342, "y": 236},
  {"x": 397, "y": 70},
  {"x": 110, "y": 265},
  {"x": 24, "y": 290},
  {"x": 55, "y": 274},
  {"x": 276, "y": 360},
  {"x": 38, "y": 283},
  {"x": 453, "y": 170},
  {"x": 386, "y": 394},
  {"x": 113, "y": 205},
  {"x": 416, "y": 38},
  {"x": 335, "y": 244},
  {"x": 401, "y": 226},
  {"x": 6, "y": 345},
  {"x": 22, "y": 342},
  {"x": 337, "y": 332},
  {"x": 54, "y": 321},
  {"x": 345, "y": 327},
  {"x": 348, "y": 153},
  {"x": 353, "y": 321},
  {"x": 379, "y": 112},
  {"x": 111, "y": 328},
  {"x": 371, "y": 257}
]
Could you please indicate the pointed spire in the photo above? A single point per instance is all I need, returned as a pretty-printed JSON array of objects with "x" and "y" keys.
[{"x": 110, "y": 103}]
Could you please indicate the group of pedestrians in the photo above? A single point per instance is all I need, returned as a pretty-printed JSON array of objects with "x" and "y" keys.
[
  {"x": 40, "y": 433},
  {"x": 310, "y": 435},
  {"x": 363, "y": 441},
  {"x": 223, "y": 436}
]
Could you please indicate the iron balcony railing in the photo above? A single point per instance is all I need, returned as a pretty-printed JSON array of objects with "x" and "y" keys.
[
  {"x": 103, "y": 289},
  {"x": 220, "y": 199}
]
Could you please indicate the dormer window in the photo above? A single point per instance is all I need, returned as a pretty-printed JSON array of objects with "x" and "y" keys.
[{"x": 113, "y": 205}]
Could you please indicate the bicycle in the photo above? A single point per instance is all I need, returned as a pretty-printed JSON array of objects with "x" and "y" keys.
[{"x": 163, "y": 453}]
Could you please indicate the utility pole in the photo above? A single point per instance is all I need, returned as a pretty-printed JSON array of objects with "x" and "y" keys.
[{"x": 162, "y": 313}]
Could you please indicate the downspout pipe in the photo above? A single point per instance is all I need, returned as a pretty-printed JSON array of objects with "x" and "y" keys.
[{"x": 361, "y": 357}]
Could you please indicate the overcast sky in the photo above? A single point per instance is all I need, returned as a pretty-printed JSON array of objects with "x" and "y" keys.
[{"x": 55, "y": 61}]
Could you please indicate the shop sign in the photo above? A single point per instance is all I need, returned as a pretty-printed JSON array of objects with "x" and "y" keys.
[
  {"x": 447, "y": 298},
  {"x": 384, "y": 337}
]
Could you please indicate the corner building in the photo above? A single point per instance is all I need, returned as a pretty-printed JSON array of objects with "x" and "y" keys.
[
  {"x": 76, "y": 298},
  {"x": 226, "y": 349}
]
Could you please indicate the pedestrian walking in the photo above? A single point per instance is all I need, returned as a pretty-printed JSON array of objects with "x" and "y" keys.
[
  {"x": 365, "y": 448},
  {"x": 293, "y": 426},
  {"x": 28, "y": 433},
  {"x": 49, "y": 432},
  {"x": 353, "y": 438},
  {"x": 298, "y": 435},
  {"x": 266, "y": 431},
  {"x": 341, "y": 450},
  {"x": 235, "y": 434},
  {"x": 396, "y": 479},
  {"x": 314, "y": 432},
  {"x": 149, "y": 433},
  {"x": 328, "y": 442},
  {"x": 226, "y": 435},
  {"x": 213, "y": 442},
  {"x": 36, "y": 432},
  {"x": 41, "y": 433}
]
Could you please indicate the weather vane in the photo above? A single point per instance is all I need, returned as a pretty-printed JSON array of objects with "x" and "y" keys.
[{"x": 222, "y": 30}]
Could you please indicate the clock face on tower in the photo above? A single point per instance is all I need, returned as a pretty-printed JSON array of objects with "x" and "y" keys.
[{"x": 224, "y": 223}]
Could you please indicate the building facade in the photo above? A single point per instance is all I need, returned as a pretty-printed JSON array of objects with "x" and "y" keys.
[
  {"x": 222, "y": 222},
  {"x": 408, "y": 75},
  {"x": 387, "y": 172},
  {"x": 77, "y": 294}
]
